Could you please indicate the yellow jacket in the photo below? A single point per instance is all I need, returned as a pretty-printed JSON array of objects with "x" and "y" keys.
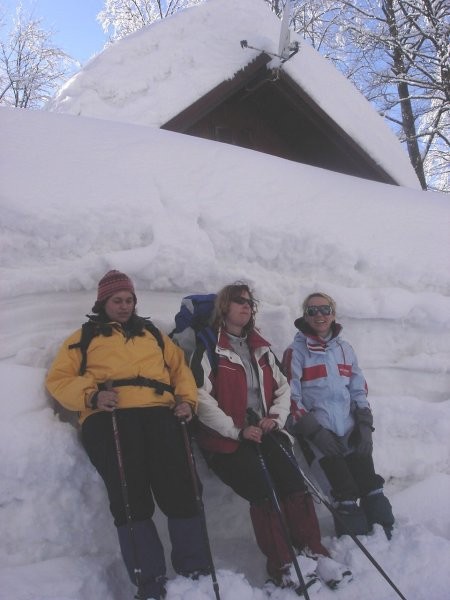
[{"x": 114, "y": 357}]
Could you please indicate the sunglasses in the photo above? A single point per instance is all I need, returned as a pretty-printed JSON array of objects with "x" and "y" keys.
[
  {"x": 241, "y": 300},
  {"x": 325, "y": 310}
]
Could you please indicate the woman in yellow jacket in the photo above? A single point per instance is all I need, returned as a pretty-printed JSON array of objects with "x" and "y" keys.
[{"x": 131, "y": 368}]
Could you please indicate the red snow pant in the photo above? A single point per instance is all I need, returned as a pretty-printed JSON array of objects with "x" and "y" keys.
[{"x": 241, "y": 470}]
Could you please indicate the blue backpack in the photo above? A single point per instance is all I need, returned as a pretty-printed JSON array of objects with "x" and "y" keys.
[{"x": 193, "y": 326}]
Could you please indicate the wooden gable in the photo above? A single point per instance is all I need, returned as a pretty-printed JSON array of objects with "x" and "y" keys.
[{"x": 267, "y": 111}]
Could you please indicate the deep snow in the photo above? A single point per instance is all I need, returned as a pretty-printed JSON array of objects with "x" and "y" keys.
[{"x": 79, "y": 196}]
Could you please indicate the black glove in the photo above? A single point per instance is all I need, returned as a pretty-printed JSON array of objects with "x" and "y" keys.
[
  {"x": 325, "y": 440},
  {"x": 364, "y": 422}
]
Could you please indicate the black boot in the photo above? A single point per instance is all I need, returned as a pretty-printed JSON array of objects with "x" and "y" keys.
[
  {"x": 160, "y": 596},
  {"x": 378, "y": 509}
]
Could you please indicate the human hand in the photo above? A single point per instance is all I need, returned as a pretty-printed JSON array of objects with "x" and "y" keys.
[
  {"x": 183, "y": 411},
  {"x": 107, "y": 400},
  {"x": 252, "y": 433},
  {"x": 267, "y": 424},
  {"x": 364, "y": 422},
  {"x": 365, "y": 443}
]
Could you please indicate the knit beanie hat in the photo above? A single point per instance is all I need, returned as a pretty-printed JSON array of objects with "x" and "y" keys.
[{"x": 114, "y": 281}]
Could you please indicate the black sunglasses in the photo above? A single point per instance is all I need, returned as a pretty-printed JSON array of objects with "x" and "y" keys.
[
  {"x": 241, "y": 300},
  {"x": 325, "y": 310}
]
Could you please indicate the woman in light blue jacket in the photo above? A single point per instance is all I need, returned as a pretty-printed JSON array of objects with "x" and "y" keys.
[{"x": 331, "y": 417}]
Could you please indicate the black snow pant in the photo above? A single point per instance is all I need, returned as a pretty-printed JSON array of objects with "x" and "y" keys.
[
  {"x": 241, "y": 470},
  {"x": 156, "y": 469},
  {"x": 352, "y": 476},
  {"x": 154, "y": 459}
]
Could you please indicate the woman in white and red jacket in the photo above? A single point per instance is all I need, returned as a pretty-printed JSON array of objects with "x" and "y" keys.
[{"x": 243, "y": 374}]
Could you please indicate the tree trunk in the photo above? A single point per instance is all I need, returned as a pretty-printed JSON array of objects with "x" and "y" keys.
[
  {"x": 399, "y": 69},
  {"x": 409, "y": 129}
]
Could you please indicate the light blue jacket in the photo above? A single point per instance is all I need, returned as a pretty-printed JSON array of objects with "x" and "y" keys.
[{"x": 325, "y": 379}]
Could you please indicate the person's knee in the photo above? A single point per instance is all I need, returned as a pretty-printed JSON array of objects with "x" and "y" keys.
[{"x": 140, "y": 512}]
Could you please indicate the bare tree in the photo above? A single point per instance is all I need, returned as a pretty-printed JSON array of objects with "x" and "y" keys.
[
  {"x": 405, "y": 47},
  {"x": 31, "y": 67},
  {"x": 397, "y": 53},
  {"x": 121, "y": 17},
  {"x": 317, "y": 22}
]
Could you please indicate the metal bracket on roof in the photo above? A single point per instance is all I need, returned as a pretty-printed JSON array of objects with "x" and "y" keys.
[
  {"x": 294, "y": 47},
  {"x": 286, "y": 48}
]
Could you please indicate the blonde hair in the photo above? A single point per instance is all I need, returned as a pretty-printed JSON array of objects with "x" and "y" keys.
[
  {"x": 224, "y": 299},
  {"x": 326, "y": 297}
]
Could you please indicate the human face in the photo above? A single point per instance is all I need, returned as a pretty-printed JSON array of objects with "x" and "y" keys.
[
  {"x": 321, "y": 324},
  {"x": 238, "y": 314},
  {"x": 119, "y": 307}
]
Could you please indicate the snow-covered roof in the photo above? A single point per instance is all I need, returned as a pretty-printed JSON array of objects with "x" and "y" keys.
[{"x": 152, "y": 75}]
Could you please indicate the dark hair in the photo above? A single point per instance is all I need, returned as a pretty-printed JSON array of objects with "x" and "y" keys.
[
  {"x": 135, "y": 326},
  {"x": 224, "y": 299}
]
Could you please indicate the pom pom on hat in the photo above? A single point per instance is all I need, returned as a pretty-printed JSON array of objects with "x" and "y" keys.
[{"x": 114, "y": 281}]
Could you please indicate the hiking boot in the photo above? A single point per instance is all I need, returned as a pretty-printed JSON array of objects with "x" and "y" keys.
[
  {"x": 378, "y": 509},
  {"x": 286, "y": 576},
  {"x": 332, "y": 573},
  {"x": 152, "y": 590},
  {"x": 195, "y": 575},
  {"x": 352, "y": 519},
  {"x": 158, "y": 597}
]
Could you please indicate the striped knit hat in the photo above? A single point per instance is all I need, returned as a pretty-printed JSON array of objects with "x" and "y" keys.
[{"x": 114, "y": 281}]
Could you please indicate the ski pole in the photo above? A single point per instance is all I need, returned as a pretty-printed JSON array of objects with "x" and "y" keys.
[
  {"x": 254, "y": 419},
  {"x": 199, "y": 501},
  {"x": 123, "y": 485},
  {"x": 335, "y": 513}
]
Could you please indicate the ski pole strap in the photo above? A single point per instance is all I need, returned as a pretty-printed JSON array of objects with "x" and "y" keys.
[{"x": 139, "y": 381}]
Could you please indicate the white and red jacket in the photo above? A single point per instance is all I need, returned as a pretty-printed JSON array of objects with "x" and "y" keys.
[
  {"x": 222, "y": 394},
  {"x": 325, "y": 378}
]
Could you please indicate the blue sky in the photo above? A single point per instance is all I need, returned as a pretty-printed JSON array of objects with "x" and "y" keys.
[{"x": 74, "y": 21}]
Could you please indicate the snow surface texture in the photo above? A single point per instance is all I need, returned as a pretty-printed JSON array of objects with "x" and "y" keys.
[
  {"x": 80, "y": 196},
  {"x": 152, "y": 75}
]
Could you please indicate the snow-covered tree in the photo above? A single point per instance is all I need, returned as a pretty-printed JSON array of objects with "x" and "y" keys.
[
  {"x": 397, "y": 53},
  {"x": 318, "y": 22},
  {"x": 121, "y": 17},
  {"x": 32, "y": 68},
  {"x": 402, "y": 48}
]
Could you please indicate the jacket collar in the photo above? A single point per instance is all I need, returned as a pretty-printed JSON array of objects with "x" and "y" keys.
[
  {"x": 254, "y": 340},
  {"x": 313, "y": 341}
]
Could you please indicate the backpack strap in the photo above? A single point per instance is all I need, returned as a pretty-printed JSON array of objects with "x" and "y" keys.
[
  {"x": 156, "y": 333},
  {"x": 208, "y": 339},
  {"x": 88, "y": 331},
  {"x": 91, "y": 329}
]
